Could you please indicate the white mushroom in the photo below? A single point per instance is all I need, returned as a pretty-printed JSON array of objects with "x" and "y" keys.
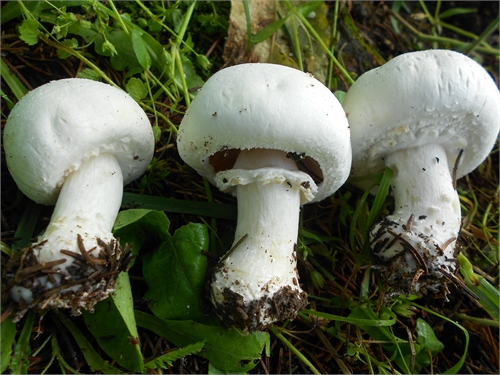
[
  {"x": 75, "y": 142},
  {"x": 276, "y": 138},
  {"x": 432, "y": 117}
]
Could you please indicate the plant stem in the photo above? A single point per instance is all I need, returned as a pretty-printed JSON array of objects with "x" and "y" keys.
[
  {"x": 462, "y": 32},
  {"x": 482, "y": 321},
  {"x": 249, "y": 24},
  {"x": 185, "y": 23},
  {"x": 290, "y": 346},
  {"x": 118, "y": 18},
  {"x": 490, "y": 29},
  {"x": 71, "y": 51},
  {"x": 324, "y": 46},
  {"x": 431, "y": 38}
]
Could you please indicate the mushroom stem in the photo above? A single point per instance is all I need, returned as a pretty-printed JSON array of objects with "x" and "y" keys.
[
  {"x": 418, "y": 239},
  {"x": 87, "y": 205},
  {"x": 85, "y": 211},
  {"x": 257, "y": 283}
]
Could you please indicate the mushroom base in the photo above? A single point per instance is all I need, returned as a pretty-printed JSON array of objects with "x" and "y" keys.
[
  {"x": 420, "y": 266},
  {"x": 258, "y": 315},
  {"x": 28, "y": 283}
]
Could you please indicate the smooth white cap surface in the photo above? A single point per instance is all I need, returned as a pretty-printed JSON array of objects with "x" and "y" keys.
[
  {"x": 56, "y": 126},
  {"x": 434, "y": 96},
  {"x": 267, "y": 106}
]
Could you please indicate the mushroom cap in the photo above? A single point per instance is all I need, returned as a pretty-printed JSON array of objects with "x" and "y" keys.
[
  {"x": 434, "y": 96},
  {"x": 267, "y": 106},
  {"x": 53, "y": 128}
]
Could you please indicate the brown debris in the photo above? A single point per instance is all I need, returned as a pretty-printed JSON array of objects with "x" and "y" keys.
[{"x": 89, "y": 280}]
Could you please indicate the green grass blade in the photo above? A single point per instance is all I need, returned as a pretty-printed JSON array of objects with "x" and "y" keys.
[
  {"x": 20, "y": 360},
  {"x": 8, "y": 329},
  {"x": 486, "y": 33},
  {"x": 219, "y": 211},
  {"x": 381, "y": 196},
  {"x": 27, "y": 225},
  {"x": 489, "y": 296},
  {"x": 113, "y": 325},
  {"x": 249, "y": 23},
  {"x": 290, "y": 346},
  {"x": 355, "y": 321},
  {"x": 93, "y": 358},
  {"x": 12, "y": 81}
]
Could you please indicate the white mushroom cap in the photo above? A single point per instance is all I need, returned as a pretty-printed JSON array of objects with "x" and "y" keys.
[
  {"x": 267, "y": 106},
  {"x": 433, "y": 96},
  {"x": 42, "y": 150}
]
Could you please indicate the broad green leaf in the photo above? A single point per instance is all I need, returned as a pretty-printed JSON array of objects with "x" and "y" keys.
[
  {"x": 137, "y": 89},
  {"x": 427, "y": 338},
  {"x": 140, "y": 50},
  {"x": 89, "y": 74},
  {"x": 93, "y": 358},
  {"x": 170, "y": 357},
  {"x": 28, "y": 32},
  {"x": 340, "y": 95},
  {"x": 176, "y": 17},
  {"x": 428, "y": 343},
  {"x": 155, "y": 50},
  {"x": 212, "y": 370},
  {"x": 134, "y": 226},
  {"x": 113, "y": 326},
  {"x": 227, "y": 350},
  {"x": 125, "y": 56},
  {"x": 175, "y": 274},
  {"x": 11, "y": 9},
  {"x": 8, "y": 329},
  {"x": 456, "y": 367},
  {"x": 193, "y": 80},
  {"x": 71, "y": 43}
]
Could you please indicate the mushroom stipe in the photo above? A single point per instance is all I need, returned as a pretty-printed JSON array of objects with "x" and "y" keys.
[
  {"x": 88, "y": 281},
  {"x": 276, "y": 138},
  {"x": 401, "y": 277},
  {"x": 284, "y": 304}
]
